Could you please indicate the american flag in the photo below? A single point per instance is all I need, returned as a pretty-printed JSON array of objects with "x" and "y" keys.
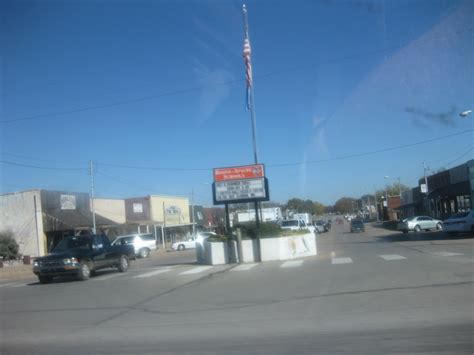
[{"x": 248, "y": 68}]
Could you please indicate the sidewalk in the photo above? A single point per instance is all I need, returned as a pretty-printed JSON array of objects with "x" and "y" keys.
[{"x": 8, "y": 273}]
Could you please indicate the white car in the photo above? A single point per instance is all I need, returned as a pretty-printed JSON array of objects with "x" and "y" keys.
[
  {"x": 142, "y": 243},
  {"x": 191, "y": 242},
  {"x": 296, "y": 224},
  {"x": 462, "y": 222},
  {"x": 419, "y": 223}
]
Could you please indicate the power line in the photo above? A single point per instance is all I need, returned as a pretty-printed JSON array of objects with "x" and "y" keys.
[
  {"x": 357, "y": 155},
  {"x": 181, "y": 169},
  {"x": 41, "y": 167},
  {"x": 229, "y": 82}
]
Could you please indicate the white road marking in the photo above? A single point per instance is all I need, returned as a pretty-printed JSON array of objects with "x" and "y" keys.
[
  {"x": 8, "y": 284},
  {"x": 196, "y": 270},
  {"x": 341, "y": 261},
  {"x": 446, "y": 253},
  {"x": 244, "y": 267},
  {"x": 152, "y": 273},
  {"x": 111, "y": 276},
  {"x": 19, "y": 285},
  {"x": 292, "y": 263},
  {"x": 392, "y": 257}
]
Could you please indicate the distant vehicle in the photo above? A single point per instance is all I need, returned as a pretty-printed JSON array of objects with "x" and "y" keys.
[
  {"x": 296, "y": 224},
  {"x": 462, "y": 222},
  {"x": 142, "y": 243},
  {"x": 306, "y": 217},
  {"x": 320, "y": 226},
  {"x": 339, "y": 221},
  {"x": 419, "y": 223},
  {"x": 191, "y": 242},
  {"x": 357, "y": 225},
  {"x": 80, "y": 256}
]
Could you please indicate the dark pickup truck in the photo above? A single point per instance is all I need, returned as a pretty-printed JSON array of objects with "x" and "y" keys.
[{"x": 80, "y": 256}]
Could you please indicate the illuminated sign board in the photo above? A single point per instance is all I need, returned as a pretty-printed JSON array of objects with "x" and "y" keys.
[{"x": 240, "y": 184}]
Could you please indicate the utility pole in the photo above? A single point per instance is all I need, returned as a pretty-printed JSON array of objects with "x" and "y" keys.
[
  {"x": 192, "y": 212},
  {"x": 399, "y": 188},
  {"x": 91, "y": 173},
  {"x": 427, "y": 193},
  {"x": 376, "y": 207}
]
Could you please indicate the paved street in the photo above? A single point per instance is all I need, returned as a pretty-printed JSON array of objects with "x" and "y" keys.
[{"x": 373, "y": 292}]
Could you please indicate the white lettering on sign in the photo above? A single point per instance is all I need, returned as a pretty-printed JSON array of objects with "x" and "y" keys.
[
  {"x": 68, "y": 202},
  {"x": 241, "y": 189},
  {"x": 137, "y": 208}
]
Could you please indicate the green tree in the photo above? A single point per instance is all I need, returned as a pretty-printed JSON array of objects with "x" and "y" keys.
[
  {"x": 345, "y": 205},
  {"x": 8, "y": 246},
  {"x": 304, "y": 206}
]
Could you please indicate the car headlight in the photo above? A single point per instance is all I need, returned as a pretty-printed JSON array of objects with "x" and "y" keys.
[
  {"x": 70, "y": 261},
  {"x": 37, "y": 263}
]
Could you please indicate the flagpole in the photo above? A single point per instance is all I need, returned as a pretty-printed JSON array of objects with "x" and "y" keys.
[
  {"x": 250, "y": 107},
  {"x": 250, "y": 99}
]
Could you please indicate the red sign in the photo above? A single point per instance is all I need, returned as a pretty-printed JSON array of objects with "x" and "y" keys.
[{"x": 239, "y": 172}]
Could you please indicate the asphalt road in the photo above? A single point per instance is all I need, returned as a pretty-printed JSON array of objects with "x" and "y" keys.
[{"x": 374, "y": 292}]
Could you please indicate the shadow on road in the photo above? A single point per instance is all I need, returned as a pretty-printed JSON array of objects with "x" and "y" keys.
[{"x": 423, "y": 236}]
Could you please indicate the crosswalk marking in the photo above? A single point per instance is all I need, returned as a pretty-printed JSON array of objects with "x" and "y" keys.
[
  {"x": 244, "y": 267},
  {"x": 106, "y": 277},
  {"x": 152, "y": 273},
  {"x": 292, "y": 263},
  {"x": 446, "y": 253},
  {"x": 196, "y": 270},
  {"x": 335, "y": 261},
  {"x": 392, "y": 257}
]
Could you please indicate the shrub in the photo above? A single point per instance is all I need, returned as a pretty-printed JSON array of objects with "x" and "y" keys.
[
  {"x": 216, "y": 238},
  {"x": 8, "y": 246},
  {"x": 249, "y": 230}
]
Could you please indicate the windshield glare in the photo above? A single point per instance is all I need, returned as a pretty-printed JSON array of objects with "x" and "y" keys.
[{"x": 73, "y": 243}]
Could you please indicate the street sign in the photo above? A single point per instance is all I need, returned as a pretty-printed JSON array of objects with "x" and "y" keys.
[
  {"x": 240, "y": 184},
  {"x": 239, "y": 172},
  {"x": 424, "y": 188}
]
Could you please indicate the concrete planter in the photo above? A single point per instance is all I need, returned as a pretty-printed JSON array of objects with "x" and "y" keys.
[{"x": 278, "y": 248}]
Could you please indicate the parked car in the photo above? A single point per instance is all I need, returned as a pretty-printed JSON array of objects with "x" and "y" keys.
[
  {"x": 191, "y": 242},
  {"x": 320, "y": 226},
  {"x": 357, "y": 225},
  {"x": 80, "y": 256},
  {"x": 462, "y": 222},
  {"x": 143, "y": 244},
  {"x": 419, "y": 223}
]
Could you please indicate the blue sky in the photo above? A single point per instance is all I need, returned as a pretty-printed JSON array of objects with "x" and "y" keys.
[{"x": 153, "y": 92}]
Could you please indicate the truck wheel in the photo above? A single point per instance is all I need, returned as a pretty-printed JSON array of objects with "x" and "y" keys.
[
  {"x": 144, "y": 253},
  {"x": 84, "y": 271},
  {"x": 44, "y": 279},
  {"x": 123, "y": 264},
  {"x": 181, "y": 247}
]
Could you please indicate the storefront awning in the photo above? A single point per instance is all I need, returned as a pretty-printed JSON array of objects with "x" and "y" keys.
[{"x": 71, "y": 219}]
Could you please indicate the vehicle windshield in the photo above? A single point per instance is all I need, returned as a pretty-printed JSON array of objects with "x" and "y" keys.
[
  {"x": 291, "y": 223},
  {"x": 218, "y": 139},
  {"x": 460, "y": 215},
  {"x": 73, "y": 243}
]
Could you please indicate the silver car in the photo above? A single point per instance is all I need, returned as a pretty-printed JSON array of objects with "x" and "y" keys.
[{"x": 419, "y": 223}]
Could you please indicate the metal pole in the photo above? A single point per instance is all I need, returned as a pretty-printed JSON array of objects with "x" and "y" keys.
[
  {"x": 36, "y": 226},
  {"x": 192, "y": 212},
  {"x": 252, "y": 112},
  {"x": 91, "y": 172},
  {"x": 427, "y": 189},
  {"x": 376, "y": 207}
]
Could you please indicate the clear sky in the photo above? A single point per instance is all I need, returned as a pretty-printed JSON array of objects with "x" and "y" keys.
[{"x": 154, "y": 93}]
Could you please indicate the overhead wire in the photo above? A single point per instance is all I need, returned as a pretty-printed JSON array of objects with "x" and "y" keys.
[{"x": 224, "y": 83}]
